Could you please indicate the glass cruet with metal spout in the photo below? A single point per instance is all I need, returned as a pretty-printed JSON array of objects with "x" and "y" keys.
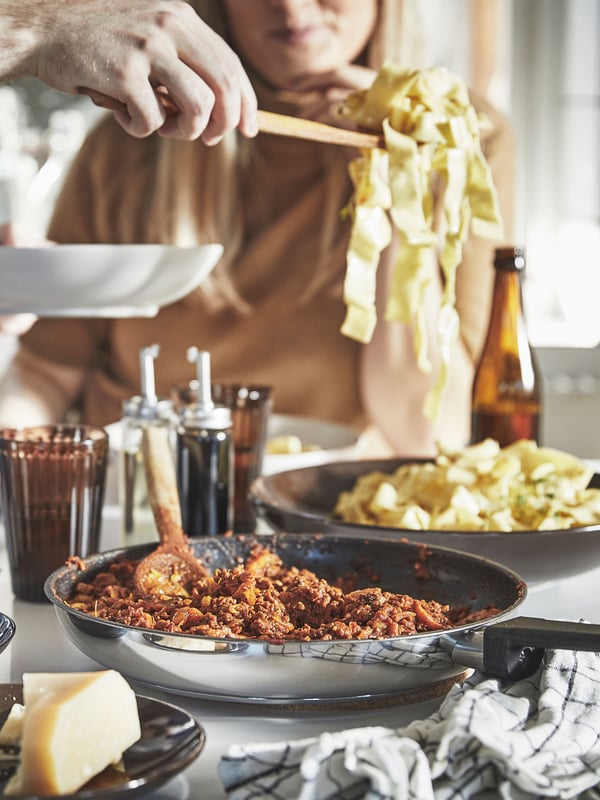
[{"x": 138, "y": 412}]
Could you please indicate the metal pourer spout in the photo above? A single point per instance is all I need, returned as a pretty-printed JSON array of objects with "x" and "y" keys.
[
  {"x": 148, "y": 386},
  {"x": 204, "y": 411},
  {"x": 147, "y": 406},
  {"x": 201, "y": 358}
]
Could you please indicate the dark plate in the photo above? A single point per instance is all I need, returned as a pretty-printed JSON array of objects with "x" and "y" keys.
[
  {"x": 302, "y": 500},
  {"x": 171, "y": 739},
  {"x": 7, "y": 631}
]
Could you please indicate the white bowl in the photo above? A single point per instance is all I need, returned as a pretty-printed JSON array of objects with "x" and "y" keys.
[
  {"x": 332, "y": 442},
  {"x": 100, "y": 280}
]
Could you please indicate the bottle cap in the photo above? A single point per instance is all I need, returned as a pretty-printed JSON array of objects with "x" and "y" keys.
[
  {"x": 511, "y": 259},
  {"x": 137, "y": 407},
  {"x": 197, "y": 416},
  {"x": 204, "y": 413}
]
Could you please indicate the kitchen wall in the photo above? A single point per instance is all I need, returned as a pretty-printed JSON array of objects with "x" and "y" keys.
[{"x": 571, "y": 419}]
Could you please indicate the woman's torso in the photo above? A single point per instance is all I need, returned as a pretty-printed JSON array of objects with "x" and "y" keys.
[{"x": 289, "y": 338}]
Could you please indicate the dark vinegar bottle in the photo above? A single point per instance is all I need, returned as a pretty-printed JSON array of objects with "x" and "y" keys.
[
  {"x": 507, "y": 392},
  {"x": 204, "y": 475},
  {"x": 205, "y": 459}
]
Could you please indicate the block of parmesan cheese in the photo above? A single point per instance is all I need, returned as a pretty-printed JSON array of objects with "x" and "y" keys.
[{"x": 74, "y": 725}]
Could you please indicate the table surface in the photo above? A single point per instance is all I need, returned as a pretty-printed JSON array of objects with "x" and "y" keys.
[{"x": 41, "y": 646}]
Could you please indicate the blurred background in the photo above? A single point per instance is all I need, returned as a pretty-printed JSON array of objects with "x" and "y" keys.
[{"x": 538, "y": 61}]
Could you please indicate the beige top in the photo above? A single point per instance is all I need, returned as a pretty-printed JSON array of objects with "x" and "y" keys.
[{"x": 288, "y": 341}]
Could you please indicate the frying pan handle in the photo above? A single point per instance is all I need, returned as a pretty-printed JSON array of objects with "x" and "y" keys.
[{"x": 513, "y": 649}]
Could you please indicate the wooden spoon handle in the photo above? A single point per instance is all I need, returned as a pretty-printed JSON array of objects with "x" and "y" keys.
[
  {"x": 268, "y": 122},
  {"x": 162, "y": 485},
  {"x": 281, "y": 125}
]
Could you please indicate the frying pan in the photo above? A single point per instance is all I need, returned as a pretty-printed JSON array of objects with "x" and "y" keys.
[{"x": 297, "y": 672}]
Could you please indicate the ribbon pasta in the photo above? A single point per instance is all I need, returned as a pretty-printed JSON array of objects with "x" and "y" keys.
[
  {"x": 431, "y": 133},
  {"x": 483, "y": 487}
]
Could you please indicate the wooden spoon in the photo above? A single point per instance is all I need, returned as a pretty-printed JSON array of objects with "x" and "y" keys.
[
  {"x": 282, "y": 125},
  {"x": 170, "y": 568},
  {"x": 268, "y": 122}
]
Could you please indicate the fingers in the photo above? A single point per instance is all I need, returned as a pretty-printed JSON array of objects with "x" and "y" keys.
[
  {"x": 16, "y": 324},
  {"x": 328, "y": 91},
  {"x": 142, "y": 113},
  {"x": 209, "y": 86},
  {"x": 15, "y": 235},
  {"x": 248, "y": 119},
  {"x": 350, "y": 77},
  {"x": 240, "y": 114},
  {"x": 190, "y": 103},
  {"x": 197, "y": 105},
  {"x": 119, "y": 54}
]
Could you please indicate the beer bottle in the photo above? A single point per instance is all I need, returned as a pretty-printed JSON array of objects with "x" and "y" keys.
[{"x": 507, "y": 392}]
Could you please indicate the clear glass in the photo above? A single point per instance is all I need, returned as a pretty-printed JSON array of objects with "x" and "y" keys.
[{"x": 137, "y": 519}]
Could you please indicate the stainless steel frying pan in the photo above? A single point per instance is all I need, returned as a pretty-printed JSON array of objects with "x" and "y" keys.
[{"x": 258, "y": 671}]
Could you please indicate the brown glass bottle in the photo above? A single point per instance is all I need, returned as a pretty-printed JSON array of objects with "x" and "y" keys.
[{"x": 507, "y": 392}]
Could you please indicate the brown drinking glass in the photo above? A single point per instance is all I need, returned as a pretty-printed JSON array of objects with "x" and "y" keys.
[{"x": 52, "y": 480}]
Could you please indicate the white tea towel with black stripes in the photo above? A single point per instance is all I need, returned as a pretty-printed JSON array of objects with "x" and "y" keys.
[{"x": 538, "y": 737}]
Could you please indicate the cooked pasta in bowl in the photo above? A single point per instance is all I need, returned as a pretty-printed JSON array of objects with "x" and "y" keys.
[{"x": 536, "y": 510}]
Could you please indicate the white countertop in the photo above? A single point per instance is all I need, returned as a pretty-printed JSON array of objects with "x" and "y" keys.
[{"x": 41, "y": 646}]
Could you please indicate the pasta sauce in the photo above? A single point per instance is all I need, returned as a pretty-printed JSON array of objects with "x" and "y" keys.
[{"x": 263, "y": 599}]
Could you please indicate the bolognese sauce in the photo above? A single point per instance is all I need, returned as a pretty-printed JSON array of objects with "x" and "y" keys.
[{"x": 262, "y": 599}]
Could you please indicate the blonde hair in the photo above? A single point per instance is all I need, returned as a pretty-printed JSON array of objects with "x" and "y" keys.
[{"x": 184, "y": 211}]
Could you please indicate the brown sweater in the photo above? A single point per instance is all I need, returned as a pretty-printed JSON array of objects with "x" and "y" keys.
[{"x": 287, "y": 341}]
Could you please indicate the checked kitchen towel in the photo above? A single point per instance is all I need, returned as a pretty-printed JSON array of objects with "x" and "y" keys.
[{"x": 533, "y": 738}]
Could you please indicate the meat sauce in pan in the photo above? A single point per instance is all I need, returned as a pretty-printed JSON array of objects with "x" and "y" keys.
[{"x": 263, "y": 599}]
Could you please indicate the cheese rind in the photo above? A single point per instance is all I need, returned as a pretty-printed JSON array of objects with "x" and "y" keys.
[
  {"x": 75, "y": 725},
  {"x": 12, "y": 730}
]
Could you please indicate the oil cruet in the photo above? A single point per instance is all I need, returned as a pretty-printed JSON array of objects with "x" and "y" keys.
[{"x": 139, "y": 412}]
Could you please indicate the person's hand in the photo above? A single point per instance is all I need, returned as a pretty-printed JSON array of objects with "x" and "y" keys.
[
  {"x": 13, "y": 235},
  {"x": 323, "y": 94},
  {"x": 16, "y": 324},
  {"x": 124, "y": 49}
]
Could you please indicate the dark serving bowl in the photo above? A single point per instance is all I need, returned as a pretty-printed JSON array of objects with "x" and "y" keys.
[{"x": 302, "y": 501}]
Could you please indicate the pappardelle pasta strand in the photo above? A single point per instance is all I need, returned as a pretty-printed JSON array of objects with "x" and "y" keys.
[{"x": 431, "y": 135}]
